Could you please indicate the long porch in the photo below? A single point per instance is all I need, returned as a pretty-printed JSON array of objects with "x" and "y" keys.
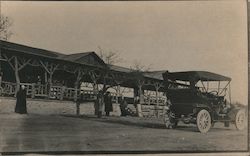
[{"x": 50, "y": 75}]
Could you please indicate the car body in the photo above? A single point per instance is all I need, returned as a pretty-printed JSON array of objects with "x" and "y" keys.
[{"x": 202, "y": 98}]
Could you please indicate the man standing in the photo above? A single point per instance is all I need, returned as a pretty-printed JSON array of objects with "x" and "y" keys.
[
  {"x": 21, "y": 101},
  {"x": 123, "y": 107},
  {"x": 108, "y": 103}
]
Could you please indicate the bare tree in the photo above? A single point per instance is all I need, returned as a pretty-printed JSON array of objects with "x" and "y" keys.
[
  {"x": 138, "y": 77},
  {"x": 5, "y": 24},
  {"x": 139, "y": 67},
  {"x": 5, "y": 33},
  {"x": 109, "y": 57},
  {"x": 137, "y": 72}
]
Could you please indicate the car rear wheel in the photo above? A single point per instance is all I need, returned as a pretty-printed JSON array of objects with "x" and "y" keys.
[
  {"x": 203, "y": 121},
  {"x": 240, "y": 120}
]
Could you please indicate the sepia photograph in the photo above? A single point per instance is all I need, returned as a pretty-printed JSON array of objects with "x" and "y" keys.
[{"x": 124, "y": 77}]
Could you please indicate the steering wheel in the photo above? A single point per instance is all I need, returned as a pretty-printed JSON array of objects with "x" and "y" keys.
[{"x": 213, "y": 92}]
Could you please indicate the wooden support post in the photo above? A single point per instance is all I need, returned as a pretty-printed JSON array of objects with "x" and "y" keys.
[
  {"x": 79, "y": 76},
  {"x": 50, "y": 69},
  {"x": 33, "y": 90},
  {"x": 1, "y": 76},
  {"x": 17, "y": 66},
  {"x": 94, "y": 79},
  {"x": 76, "y": 90},
  {"x": 95, "y": 91},
  {"x": 46, "y": 82},
  {"x": 141, "y": 95},
  {"x": 77, "y": 108},
  {"x": 141, "y": 101},
  {"x": 157, "y": 102},
  {"x": 95, "y": 88},
  {"x": 62, "y": 93},
  {"x": 157, "y": 86},
  {"x": 50, "y": 84},
  {"x": 118, "y": 92},
  {"x": 76, "y": 93},
  {"x": 78, "y": 82},
  {"x": 17, "y": 75}
]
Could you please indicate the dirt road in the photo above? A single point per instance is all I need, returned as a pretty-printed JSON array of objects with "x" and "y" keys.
[{"x": 33, "y": 133}]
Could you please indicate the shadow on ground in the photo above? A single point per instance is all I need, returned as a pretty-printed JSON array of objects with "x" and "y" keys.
[
  {"x": 135, "y": 122},
  {"x": 127, "y": 121},
  {"x": 146, "y": 123}
]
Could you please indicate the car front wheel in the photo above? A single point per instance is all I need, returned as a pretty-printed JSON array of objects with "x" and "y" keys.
[{"x": 203, "y": 121}]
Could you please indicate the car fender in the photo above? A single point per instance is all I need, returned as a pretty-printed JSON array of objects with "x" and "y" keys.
[
  {"x": 232, "y": 113},
  {"x": 200, "y": 106}
]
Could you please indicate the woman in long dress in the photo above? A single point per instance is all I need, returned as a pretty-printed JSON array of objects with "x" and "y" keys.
[
  {"x": 21, "y": 107},
  {"x": 108, "y": 103}
]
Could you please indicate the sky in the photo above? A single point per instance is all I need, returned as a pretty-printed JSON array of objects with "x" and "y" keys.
[{"x": 163, "y": 35}]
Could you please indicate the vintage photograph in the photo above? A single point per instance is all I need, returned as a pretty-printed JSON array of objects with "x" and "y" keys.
[{"x": 124, "y": 77}]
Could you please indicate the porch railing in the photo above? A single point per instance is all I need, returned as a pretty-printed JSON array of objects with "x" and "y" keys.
[
  {"x": 41, "y": 91},
  {"x": 8, "y": 88},
  {"x": 152, "y": 107}
]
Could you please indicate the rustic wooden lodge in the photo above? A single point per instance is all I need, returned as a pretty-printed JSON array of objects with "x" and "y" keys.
[{"x": 53, "y": 75}]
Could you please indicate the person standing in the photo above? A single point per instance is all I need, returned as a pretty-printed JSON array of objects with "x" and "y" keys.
[
  {"x": 78, "y": 103},
  {"x": 123, "y": 107},
  {"x": 96, "y": 104},
  {"x": 21, "y": 107},
  {"x": 108, "y": 103}
]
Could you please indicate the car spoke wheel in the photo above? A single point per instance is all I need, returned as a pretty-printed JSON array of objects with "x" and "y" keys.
[
  {"x": 203, "y": 121},
  {"x": 240, "y": 120}
]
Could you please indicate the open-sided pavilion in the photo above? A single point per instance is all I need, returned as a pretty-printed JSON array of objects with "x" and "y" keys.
[{"x": 53, "y": 75}]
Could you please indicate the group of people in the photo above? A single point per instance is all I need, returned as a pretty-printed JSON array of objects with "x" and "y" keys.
[{"x": 105, "y": 99}]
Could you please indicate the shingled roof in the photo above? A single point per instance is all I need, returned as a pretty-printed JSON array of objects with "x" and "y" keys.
[
  {"x": 75, "y": 56},
  {"x": 149, "y": 74},
  {"x": 197, "y": 76},
  {"x": 81, "y": 58},
  {"x": 120, "y": 69},
  {"x": 84, "y": 57},
  {"x": 154, "y": 74},
  {"x": 29, "y": 50}
]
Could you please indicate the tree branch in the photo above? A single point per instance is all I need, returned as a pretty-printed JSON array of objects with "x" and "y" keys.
[
  {"x": 24, "y": 64},
  {"x": 11, "y": 65},
  {"x": 9, "y": 61},
  {"x": 53, "y": 69},
  {"x": 44, "y": 66}
]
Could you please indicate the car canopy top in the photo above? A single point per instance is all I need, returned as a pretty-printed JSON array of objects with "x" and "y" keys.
[{"x": 196, "y": 76}]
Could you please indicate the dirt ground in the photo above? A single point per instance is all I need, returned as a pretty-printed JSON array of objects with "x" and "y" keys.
[
  {"x": 52, "y": 126},
  {"x": 43, "y": 133}
]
